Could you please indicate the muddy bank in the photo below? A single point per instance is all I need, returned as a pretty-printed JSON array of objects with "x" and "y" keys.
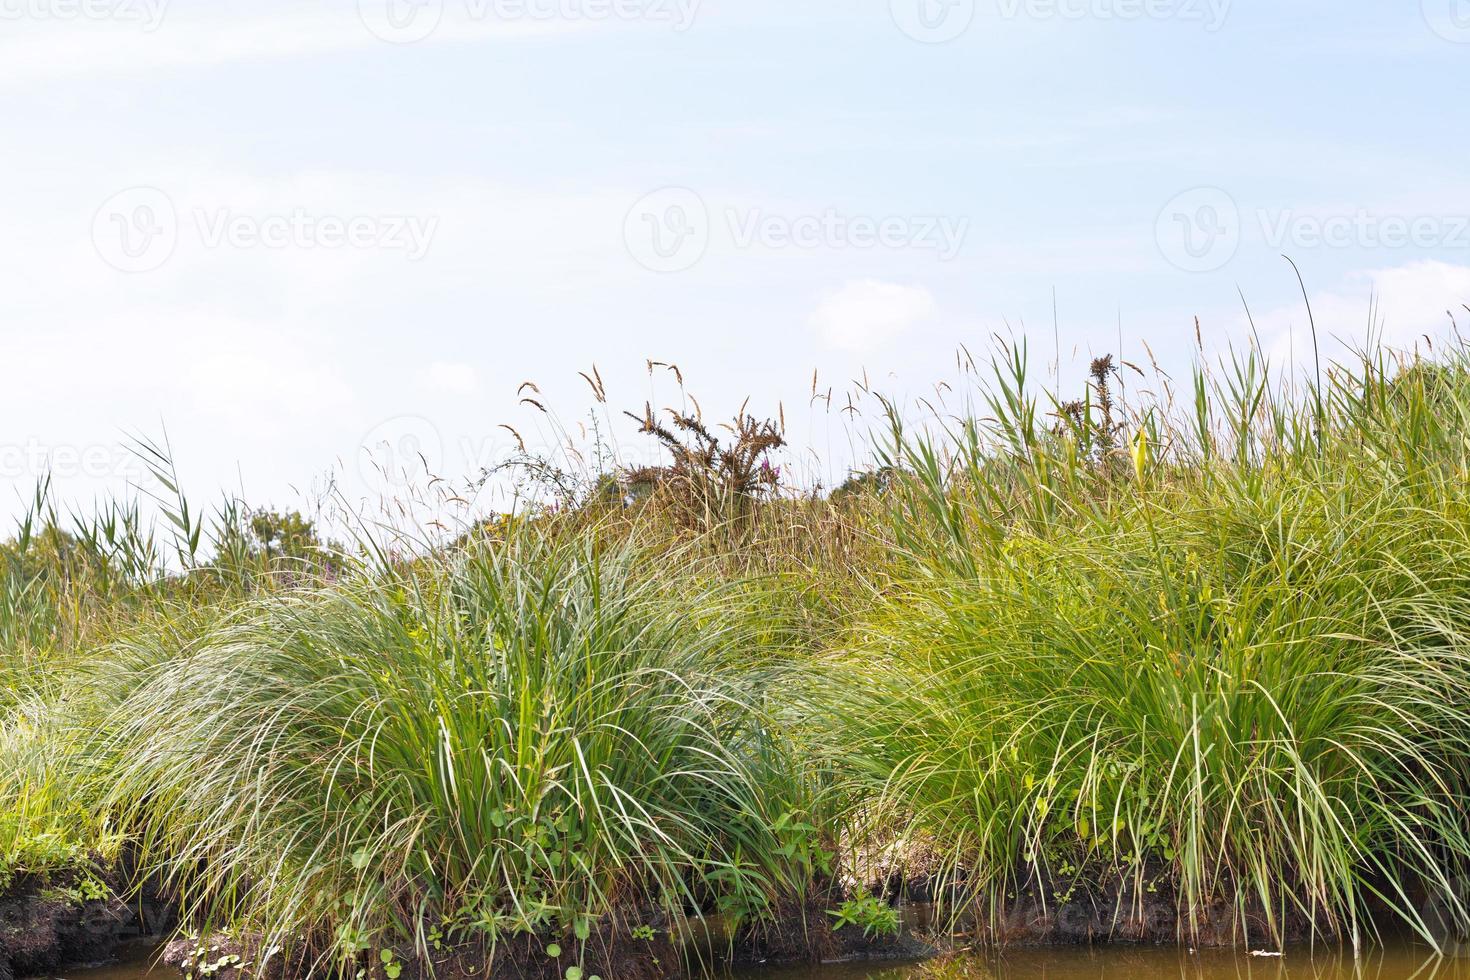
[
  {"x": 624, "y": 950},
  {"x": 648, "y": 946},
  {"x": 1062, "y": 912},
  {"x": 72, "y": 919},
  {"x": 808, "y": 936},
  {"x": 604, "y": 954},
  {"x": 1085, "y": 908}
]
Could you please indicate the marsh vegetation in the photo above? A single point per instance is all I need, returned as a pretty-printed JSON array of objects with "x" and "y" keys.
[{"x": 1087, "y": 665}]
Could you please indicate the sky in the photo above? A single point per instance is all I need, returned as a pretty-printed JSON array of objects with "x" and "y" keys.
[{"x": 308, "y": 241}]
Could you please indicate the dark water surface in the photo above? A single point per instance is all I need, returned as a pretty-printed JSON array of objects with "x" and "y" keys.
[
  {"x": 1072, "y": 963},
  {"x": 1152, "y": 963}
]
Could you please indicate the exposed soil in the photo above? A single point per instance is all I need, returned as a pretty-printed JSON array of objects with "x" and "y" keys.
[
  {"x": 616, "y": 951},
  {"x": 46, "y": 925},
  {"x": 612, "y": 954},
  {"x": 799, "y": 935},
  {"x": 1097, "y": 908},
  {"x": 43, "y": 928}
]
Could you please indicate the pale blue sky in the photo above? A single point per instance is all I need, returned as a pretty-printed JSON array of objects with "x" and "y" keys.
[{"x": 284, "y": 236}]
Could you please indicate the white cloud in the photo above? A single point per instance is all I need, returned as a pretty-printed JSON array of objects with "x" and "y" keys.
[
  {"x": 1419, "y": 298},
  {"x": 1409, "y": 302},
  {"x": 867, "y": 314},
  {"x": 446, "y": 376}
]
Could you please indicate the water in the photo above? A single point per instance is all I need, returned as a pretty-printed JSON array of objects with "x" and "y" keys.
[
  {"x": 1150, "y": 963},
  {"x": 1069, "y": 963},
  {"x": 134, "y": 963}
]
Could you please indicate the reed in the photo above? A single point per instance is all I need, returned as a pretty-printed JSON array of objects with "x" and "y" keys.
[
  {"x": 517, "y": 739},
  {"x": 1222, "y": 651},
  {"x": 1214, "y": 643}
]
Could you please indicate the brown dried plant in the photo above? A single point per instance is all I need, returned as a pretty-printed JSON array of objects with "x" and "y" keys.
[{"x": 708, "y": 481}]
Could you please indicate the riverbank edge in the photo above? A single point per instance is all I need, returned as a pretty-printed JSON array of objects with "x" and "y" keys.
[
  {"x": 45, "y": 926},
  {"x": 54, "y": 921}
]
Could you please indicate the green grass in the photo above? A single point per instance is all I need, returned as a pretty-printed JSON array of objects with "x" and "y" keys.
[
  {"x": 514, "y": 740},
  {"x": 44, "y": 828},
  {"x": 1239, "y": 662},
  {"x": 1218, "y": 645},
  {"x": 70, "y": 587}
]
